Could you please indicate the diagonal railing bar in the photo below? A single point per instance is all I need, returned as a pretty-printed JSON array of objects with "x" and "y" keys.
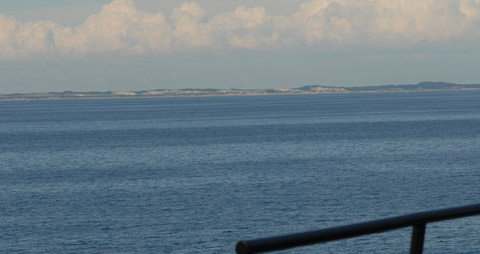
[{"x": 416, "y": 220}]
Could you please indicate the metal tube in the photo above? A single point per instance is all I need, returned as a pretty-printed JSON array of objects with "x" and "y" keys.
[
  {"x": 418, "y": 238},
  {"x": 348, "y": 231}
]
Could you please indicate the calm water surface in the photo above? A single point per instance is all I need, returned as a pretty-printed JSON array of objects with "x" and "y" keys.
[{"x": 195, "y": 175}]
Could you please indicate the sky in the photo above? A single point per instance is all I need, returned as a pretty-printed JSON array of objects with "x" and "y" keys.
[{"x": 132, "y": 45}]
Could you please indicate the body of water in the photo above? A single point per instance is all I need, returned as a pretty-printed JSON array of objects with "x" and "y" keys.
[{"x": 195, "y": 175}]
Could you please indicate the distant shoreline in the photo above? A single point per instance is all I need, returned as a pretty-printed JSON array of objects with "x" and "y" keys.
[{"x": 179, "y": 93}]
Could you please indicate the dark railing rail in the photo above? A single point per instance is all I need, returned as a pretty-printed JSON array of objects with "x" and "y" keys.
[{"x": 416, "y": 220}]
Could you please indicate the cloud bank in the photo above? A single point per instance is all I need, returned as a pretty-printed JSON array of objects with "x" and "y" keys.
[{"x": 121, "y": 27}]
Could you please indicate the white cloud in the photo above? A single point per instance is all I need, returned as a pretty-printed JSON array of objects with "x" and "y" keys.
[
  {"x": 121, "y": 27},
  {"x": 188, "y": 29},
  {"x": 386, "y": 22},
  {"x": 17, "y": 39}
]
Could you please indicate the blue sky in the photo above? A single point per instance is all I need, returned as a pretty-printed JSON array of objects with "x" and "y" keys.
[{"x": 126, "y": 45}]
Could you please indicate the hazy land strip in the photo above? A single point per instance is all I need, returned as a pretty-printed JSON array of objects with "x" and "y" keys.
[{"x": 171, "y": 93}]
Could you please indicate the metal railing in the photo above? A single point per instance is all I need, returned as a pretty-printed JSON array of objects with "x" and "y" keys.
[{"x": 417, "y": 220}]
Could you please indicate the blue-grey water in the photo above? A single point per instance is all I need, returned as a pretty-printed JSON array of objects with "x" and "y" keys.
[{"x": 195, "y": 175}]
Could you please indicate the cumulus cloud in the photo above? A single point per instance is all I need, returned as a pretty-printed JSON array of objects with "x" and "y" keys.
[{"x": 121, "y": 27}]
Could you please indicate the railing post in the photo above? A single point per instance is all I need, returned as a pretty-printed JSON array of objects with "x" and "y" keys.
[{"x": 418, "y": 237}]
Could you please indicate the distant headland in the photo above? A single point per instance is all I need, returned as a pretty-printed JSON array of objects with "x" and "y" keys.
[{"x": 312, "y": 89}]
